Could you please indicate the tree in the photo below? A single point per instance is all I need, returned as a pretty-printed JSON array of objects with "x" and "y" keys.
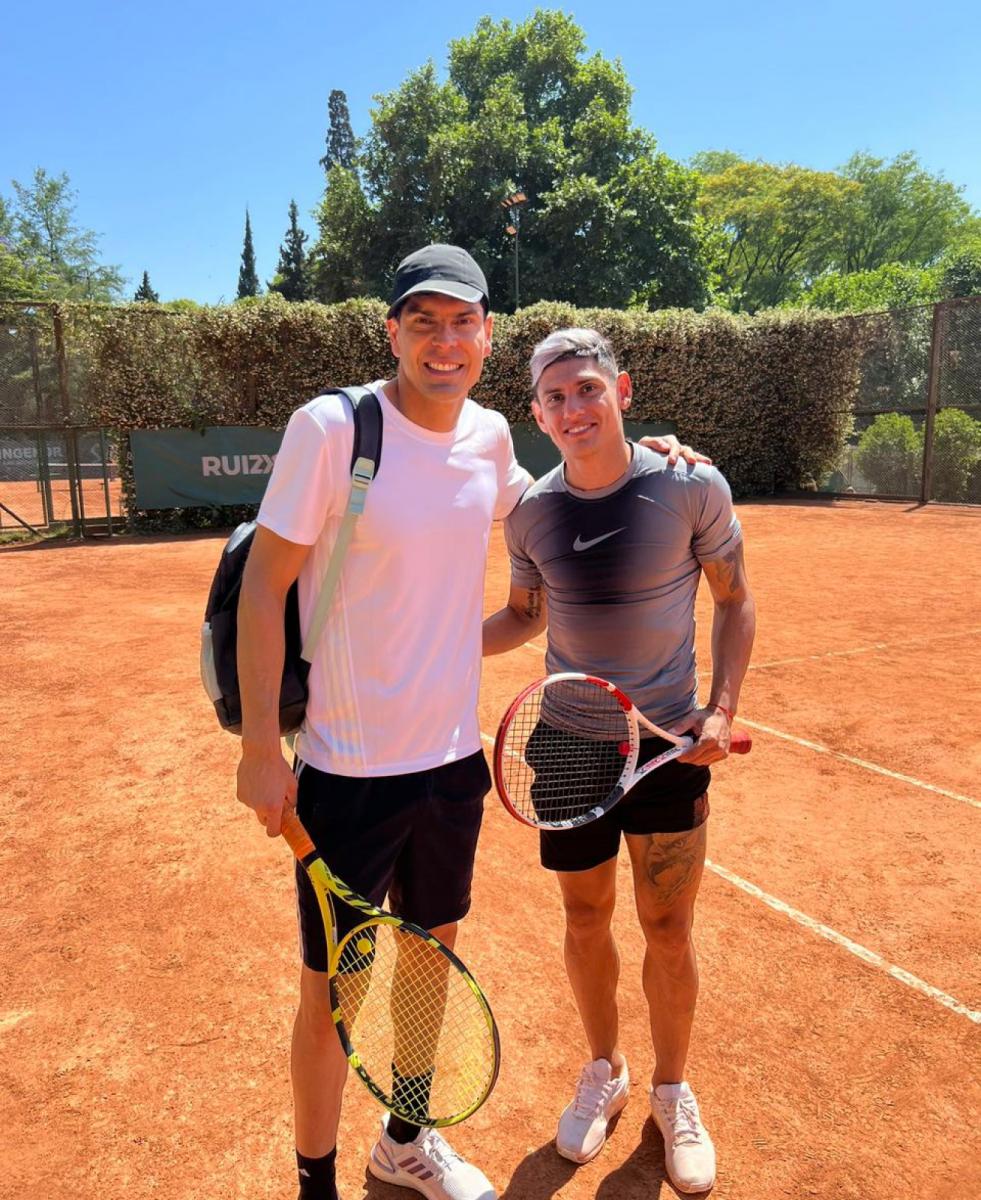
[
  {"x": 956, "y": 453},
  {"x": 894, "y": 285},
  {"x": 899, "y": 212},
  {"x": 15, "y": 284},
  {"x": 341, "y": 143},
  {"x": 888, "y": 454},
  {"x": 248, "y": 280},
  {"x": 58, "y": 259},
  {"x": 779, "y": 225},
  {"x": 609, "y": 219},
  {"x": 144, "y": 293},
  {"x": 961, "y": 273},
  {"x": 344, "y": 257},
  {"x": 292, "y": 281}
]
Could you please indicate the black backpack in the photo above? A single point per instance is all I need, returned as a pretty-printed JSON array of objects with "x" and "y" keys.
[{"x": 219, "y": 634}]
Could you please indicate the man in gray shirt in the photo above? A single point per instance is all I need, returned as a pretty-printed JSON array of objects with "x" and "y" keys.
[{"x": 613, "y": 543}]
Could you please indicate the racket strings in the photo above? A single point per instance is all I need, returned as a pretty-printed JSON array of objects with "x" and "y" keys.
[
  {"x": 564, "y": 751},
  {"x": 419, "y": 1027}
]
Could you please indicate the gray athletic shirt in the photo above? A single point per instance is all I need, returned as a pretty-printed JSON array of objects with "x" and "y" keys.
[{"x": 620, "y": 567}]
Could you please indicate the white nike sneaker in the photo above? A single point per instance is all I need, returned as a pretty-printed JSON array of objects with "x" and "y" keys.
[
  {"x": 689, "y": 1154},
  {"x": 599, "y": 1097},
  {"x": 428, "y": 1165}
]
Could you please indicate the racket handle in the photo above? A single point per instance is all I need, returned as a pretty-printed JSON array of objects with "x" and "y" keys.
[
  {"x": 740, "y": 743},
  {"x": 296, "y": 836}
]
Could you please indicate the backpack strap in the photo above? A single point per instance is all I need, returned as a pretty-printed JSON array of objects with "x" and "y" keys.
[
  {"x": 365, "y": 460},
  {"x": 367, "y": 425}
]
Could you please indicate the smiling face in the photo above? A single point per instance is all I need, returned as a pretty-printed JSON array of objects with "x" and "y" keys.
[
  {"x": 441, "y": 344},
  {"x": 580, "y": 406}
]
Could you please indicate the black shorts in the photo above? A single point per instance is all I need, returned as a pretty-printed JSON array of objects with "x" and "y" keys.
[
  {"x": 672, "y": 799},
  {"x": 410, "y": 837}
]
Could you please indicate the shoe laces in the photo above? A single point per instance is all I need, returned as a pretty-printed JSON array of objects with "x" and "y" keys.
[
  {"x": 685, "y": 1123},
  {"x": 591, "y": 1094},
  {"x": 439, "y": 1151}
]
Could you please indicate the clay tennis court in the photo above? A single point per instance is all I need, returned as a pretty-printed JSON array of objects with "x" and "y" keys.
[{"x": 148, "y": 940}]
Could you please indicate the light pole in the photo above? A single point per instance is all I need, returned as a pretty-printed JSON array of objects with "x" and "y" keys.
[{"x": 513, "y": 204}]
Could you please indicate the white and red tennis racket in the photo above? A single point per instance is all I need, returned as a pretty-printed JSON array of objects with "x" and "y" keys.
[{"x": 566, "y": 750}]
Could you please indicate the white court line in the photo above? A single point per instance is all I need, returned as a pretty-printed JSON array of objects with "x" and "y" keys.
[
  {"x": 872, "y": 648},
  {"x": 863, "y": 763},
  {"x": 839, "y": 939}
]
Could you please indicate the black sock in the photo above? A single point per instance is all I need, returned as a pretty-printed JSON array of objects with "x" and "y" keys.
[
  {"x": 401, "y": 1131},
  {"x": 317, "y": 1177},
  {"x": 411, "y": 1094}
]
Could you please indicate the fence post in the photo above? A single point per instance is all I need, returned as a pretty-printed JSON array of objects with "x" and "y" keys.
[
  {"x": 933, "y": 390},
  {"x": 66, "y": 412}
]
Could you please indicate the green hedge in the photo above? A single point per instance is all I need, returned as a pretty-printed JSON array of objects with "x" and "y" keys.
[{"x": 769, "y": 397}]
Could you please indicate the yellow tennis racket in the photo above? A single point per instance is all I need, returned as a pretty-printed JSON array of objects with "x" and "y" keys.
[{"x": 412, "y": 1020}]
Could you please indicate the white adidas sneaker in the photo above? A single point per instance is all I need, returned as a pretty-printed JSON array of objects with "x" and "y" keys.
[
  {"x": 599, "y": 1097},
  {"x": 428, "y": 1165},
  {"x": 689, "y": 1154}
]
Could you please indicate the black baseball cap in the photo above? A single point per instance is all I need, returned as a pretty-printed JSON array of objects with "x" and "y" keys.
[{"x": 448, "y": 270}]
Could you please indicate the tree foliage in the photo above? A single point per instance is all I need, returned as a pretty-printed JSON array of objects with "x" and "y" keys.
[
  {"x": 44, "y": 253},
  {"x": 609, "y": 219},
  {"x": 889, "y": 452},
  {"x": 248, "y": 280},
  {"x": 785, "y": 229},
  {"x": 956, "y": 454},
  {"x": 894, "y": 285},
  {"x": 898, "y": 213},
  {"x": 342, "y": 258},
  {"x": 342, "y": 145},
  {"x": 778, "y": 222},
  {"x": 292, "y": 275},
  {"x": 144, "y": 293}
]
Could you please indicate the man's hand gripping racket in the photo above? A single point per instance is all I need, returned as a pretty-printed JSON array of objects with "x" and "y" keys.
[
  {"x": 566, "y": 750},
  {"x": 412, "y": 1020}
]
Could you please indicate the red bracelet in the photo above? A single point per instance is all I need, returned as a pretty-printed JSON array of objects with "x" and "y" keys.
[{"x": 722, "y": 708}]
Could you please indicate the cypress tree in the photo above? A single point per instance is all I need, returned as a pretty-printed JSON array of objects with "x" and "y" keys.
[
  {"x": 144, "y": 293},
  {"x": 248, "y": 280},
  {"x": 341, "y": 146},
  {"x": 292, "y": 281}
]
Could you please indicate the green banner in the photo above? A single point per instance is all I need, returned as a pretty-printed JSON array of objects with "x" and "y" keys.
[{"x": 186, "y": 468}]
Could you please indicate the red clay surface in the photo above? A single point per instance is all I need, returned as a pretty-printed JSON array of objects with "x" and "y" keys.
[
  {"x": 23, "y": 498},
  {"x": 148, "y": 949}
]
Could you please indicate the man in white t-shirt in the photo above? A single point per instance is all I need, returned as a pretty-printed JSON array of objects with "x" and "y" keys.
[{"x": 391, "y": 776}]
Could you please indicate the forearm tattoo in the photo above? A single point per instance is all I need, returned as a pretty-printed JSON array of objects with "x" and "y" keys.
[{"x": 533, "y": 605}]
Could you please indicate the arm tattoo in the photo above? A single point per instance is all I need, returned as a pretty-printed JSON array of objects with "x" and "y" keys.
[
  {"x": 533, "y": 605},
  {"x": 729, "y": 571}
]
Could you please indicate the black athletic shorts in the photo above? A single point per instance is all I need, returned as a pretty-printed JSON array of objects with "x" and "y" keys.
[
  {"x": 410, "y": 837},
  {"x": 672, "y": 799}
]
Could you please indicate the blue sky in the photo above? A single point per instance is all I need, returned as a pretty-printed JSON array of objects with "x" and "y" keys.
[{"x": 170, "y": 119}]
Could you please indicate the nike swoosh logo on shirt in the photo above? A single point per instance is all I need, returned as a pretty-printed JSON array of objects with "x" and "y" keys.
[{"x": 579, "y": 544}]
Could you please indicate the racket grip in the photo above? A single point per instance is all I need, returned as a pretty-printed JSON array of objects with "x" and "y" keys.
[
  {"x": 296, "y": 836},
  {"x": 740, "y": 742}
]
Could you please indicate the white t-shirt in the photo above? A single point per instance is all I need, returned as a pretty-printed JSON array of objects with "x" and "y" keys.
[{"x": 394, "y": 681}]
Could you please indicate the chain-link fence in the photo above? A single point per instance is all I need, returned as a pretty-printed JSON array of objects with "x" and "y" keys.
[
  {"x": 916, "y": 429},
  {"x": 54, "y": 467}
]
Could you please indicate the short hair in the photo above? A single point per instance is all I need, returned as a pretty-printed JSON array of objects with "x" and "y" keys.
[{"x": 572, "y": 343}]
